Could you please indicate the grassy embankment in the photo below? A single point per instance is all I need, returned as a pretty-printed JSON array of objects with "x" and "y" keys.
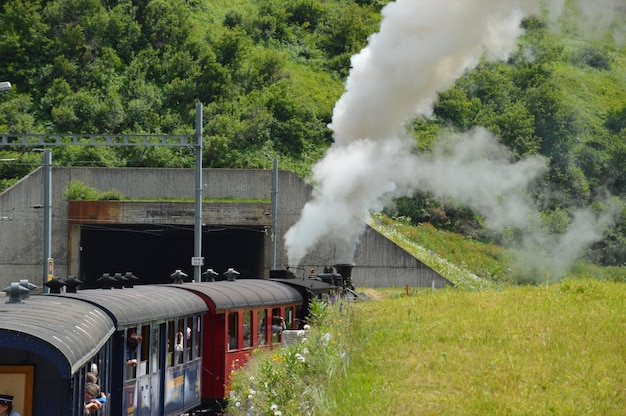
[
  {"x": 487, "y": 347},
  {"x": 532, "y": 350}
]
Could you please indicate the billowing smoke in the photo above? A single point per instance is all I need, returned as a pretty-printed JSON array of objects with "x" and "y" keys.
[{"x": 422, "y": 48}]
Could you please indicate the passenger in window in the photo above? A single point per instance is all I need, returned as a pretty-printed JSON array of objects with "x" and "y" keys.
[
  {"x": 179, "y": 342},
  {"x": 132, "y": 343},
  {"x": 6, "y": 405},
  {"x": 93, "y": 399},
  {"x": 278, "y": 324},
  {"x": 93, "y": 379}
]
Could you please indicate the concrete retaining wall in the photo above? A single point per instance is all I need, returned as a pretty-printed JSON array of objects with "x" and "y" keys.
[{"x": 379, "y": 262}]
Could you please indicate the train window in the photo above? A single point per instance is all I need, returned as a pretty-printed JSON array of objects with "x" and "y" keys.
[
  {"x": 278, "y": 324},
  {"x": 188, "y": 340},
  {"x": 171, "y": 341},
  {"x": 195, "y": 337},
  {"x": 300, "y": 317},
  {"x": 179, "y": 346},
  {"x": 289, "y": 317},
  {"x": 133, "y": 341},
  {"x": 262, "y": 319},
  {"x": 247, "y": 329},
  {"x": 154, "y": 353},
  {"x": 144, "y": 349},
  {"x": 233, "y": 330}
]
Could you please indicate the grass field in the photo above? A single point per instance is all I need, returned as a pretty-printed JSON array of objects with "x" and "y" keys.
[{"x": 533, "y": 350}]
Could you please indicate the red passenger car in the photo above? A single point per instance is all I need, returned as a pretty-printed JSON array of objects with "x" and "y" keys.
[{"x": 243, "y": 315}]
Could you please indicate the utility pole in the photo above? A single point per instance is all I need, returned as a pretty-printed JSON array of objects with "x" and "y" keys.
[{"x": 48, "y": 261}]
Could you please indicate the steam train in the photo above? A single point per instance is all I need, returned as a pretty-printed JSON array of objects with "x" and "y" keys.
[{"x": 191, "y": 337}]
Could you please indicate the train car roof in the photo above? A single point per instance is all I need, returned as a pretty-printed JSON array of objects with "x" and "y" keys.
[
  {"x": 141, "y": 303},
  {"x": 244, "y": 293},
  {"x": 68, "y": 332}
]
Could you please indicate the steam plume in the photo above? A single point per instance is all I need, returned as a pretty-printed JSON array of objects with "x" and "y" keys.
[{"x": 422, "y": 48}]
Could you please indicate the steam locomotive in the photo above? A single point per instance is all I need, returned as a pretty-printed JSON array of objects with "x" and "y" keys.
[{"x": 191, "y": 336}]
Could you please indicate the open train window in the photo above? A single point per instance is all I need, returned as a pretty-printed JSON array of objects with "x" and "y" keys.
[
  {"x": 278, "y": 325},
  {"x": 171, "y": 335},
  {"x": 180, "y": 340},
  {"x": 262, "y": 325},
  {"x": 196, "y": 338},
  {"x": 154, "y": 353},
  {"x": 144, "y": 347},
  {"x": 289, "y": 317},
  {"x": 131, "y": 345},
  {"x": 233, "y": 330},
  {"x": 247, "y": 329},
  {"x": 300, "y": 317}
]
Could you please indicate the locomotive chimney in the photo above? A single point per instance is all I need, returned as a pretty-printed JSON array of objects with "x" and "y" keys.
[
  {"x": 231, "y": 274},
  {"x": 71, "y": 284},
  {"x": 345, "y": 270}
]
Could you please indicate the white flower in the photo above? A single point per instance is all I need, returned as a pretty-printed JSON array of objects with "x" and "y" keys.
[
  {"x": 237, "y": 404},
  {"x": 300, "y": 358},
  {"x": 277, "y": 413},
  {"x": 306, "y": 327},
  {"x": 274, "y": 406},
  {"x": 326, "y": 337},
  {"x": 301, "y": 333},
  {"x": 251, "y": 378},
  {"x": 305, "y": 351},
  {"x": 252, "y": 391}
]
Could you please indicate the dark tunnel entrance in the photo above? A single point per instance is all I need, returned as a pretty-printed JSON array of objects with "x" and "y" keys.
[{"x": 153, "y": 253}]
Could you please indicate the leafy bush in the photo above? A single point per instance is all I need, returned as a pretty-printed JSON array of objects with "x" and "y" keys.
[
  {"x": 593, "y": 57},
  {"x": 79, "y": 191}
]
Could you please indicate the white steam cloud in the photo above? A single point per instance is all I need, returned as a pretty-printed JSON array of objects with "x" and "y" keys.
[{"x": 422, "y": 48}]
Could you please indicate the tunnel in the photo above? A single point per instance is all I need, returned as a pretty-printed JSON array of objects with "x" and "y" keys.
[{"x": 153, "y": 252}]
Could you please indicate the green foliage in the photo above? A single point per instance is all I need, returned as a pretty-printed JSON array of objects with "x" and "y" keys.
[{"x": 79, "y": 191}]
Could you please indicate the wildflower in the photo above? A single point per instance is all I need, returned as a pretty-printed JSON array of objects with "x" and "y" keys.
[
  {"x": 301, "y": 333},
  {"x": 306, "y": 327},
  {"x": 252, "y": 391},
  {"x": 237, "y": 404},
  {"x": 251, "y": 378},
  {"x": 326, "y": 337},
  {"x": 305, "y": 351},
  {"x": 277, "y": 413},
  {"x": 300, "y": 357},
  {"x": 274, "y": 406}
]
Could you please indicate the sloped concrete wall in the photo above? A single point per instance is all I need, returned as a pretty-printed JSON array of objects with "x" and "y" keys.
[{"x": 379, "y": 262}]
